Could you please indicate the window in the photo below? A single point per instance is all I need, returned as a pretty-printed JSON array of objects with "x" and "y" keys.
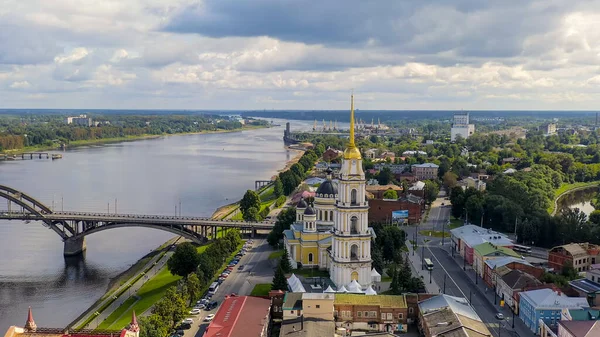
[
  {"x": 411, "y": 310},
  {"x": 310, "y": 258},
  {"x": 400, "y": 316},
  {"x": 292, "y": 312},
  {"x": 374, "y": 314},
  {"x": 318, "y": 306},
  {"x": 359, "y": 313},
  {"x": 353, "y": 197},
  {"x": 348, "y": 314},
  {"x": 366, "y": 314},
  {"x": 383, "y": 316},
  {"x": 390, "y": 316},
  {"x": 354, "y": 225}
]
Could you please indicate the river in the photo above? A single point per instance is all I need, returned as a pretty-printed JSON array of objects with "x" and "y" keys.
[
  {"x": 203, "y": 171},
  {"x": 581, "y": 199}
]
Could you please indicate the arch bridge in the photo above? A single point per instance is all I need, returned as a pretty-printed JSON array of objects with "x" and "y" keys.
[{"x": 73, "y": 227}]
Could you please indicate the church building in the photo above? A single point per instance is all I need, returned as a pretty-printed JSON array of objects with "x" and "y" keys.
[{"x": 333, "y": 233}]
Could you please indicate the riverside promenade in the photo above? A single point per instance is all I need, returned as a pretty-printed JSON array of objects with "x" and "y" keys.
[
  {"x": 418, "y": 271},
  {"x": 126, "y": 290}
]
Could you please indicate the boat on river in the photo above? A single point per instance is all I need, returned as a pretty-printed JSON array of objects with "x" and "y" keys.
[{"x": 56, "y": 156}]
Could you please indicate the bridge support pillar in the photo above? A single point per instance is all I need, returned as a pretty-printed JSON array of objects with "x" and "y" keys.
[{"x": 74, "y": 246}]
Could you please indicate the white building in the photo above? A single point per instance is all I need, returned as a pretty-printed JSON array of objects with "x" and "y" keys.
[
  {"x": 351, "y": 244},
  {"x": 461, "y": 126},
  {"x": 83, "y": 120}
]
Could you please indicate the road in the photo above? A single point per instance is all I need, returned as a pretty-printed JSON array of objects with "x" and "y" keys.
[
  {"x": 257, "y": 269},
  {"x": 449, "y": 275}
]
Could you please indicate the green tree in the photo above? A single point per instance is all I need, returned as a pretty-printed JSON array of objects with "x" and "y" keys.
[
  {"x": 184, "y": 261},
  {"x": 385, "y": 176},
  {"x": 179, "y": 304},
  {"x": 595, "y": 217},
  {"x": 431, "y": 190},
  {"x": 289, "y": 182},
  {"x": 193, "y": 287},
  {"x": 298, "y": 170},
  {"x": 390, "y": 194},
  {"x": 457, "y": 199},
  {"x": 284, "y": 263},
  {"x": 395, "y": 286},
  {"x": 278, "y": 187},
  {"x": 251, "y": 215},
  {"x": 279, "y": 280},
  {"x": 153, "y": 326},
  {"x": 250, "y": 199},
  {"x": 450, "y": 179}
]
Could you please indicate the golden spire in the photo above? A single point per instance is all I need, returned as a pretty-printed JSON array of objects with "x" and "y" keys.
[{"x": 351, "y": 151}]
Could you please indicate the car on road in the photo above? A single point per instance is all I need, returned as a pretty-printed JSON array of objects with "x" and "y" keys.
[
  {"x": 188, "y": 320},
  {"x": 241, "y": 267},
  {"x": 220, "y": 280},
  {"x": 499, "y": 315},
  {"x": 224, "y": 275},
  {"x": 195, "y": 311},
  {"x": 209, "y": 318}
]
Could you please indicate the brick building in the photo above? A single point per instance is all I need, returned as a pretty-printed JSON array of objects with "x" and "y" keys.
[
  {"x": 331, "y": 154},
  {"x": 580, "y": 255},
  {"x": 379, "y": 190},
  {"x": 381, "y": 210},
  {"x": 375, "y": 312},
  {"x": 445, "y": 315},
  {"x": 493, "y": 268},
  {"x": 425, "y": 171}
]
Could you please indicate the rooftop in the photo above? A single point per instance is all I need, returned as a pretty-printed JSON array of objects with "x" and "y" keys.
[
  {"x": 581, "y": 328},
  {"x": 584, "y": 314},
  {"x": 445, "y": 322},
  {"x": 474, "y": 235},
  {"x": 577, "y": 249},
  {"x": 383, "y": 301},
  {"x": 502, "y": 261},
  {"x": 458, "y": 305},
  {"x": 419, "y": 185},
  {"x": 487, "y": 248},
  {"x": 292, "y": 301},
  {"x": 426, "y": 165},
  {"x": 317, "y": 296},
  {"x": 547, "y": 298},
  {"x": 517, "y": 279},
  {"x": 240, "y": 316},
  {"x": 310, "y": 327},
  {"x": 585, "y": 285}
]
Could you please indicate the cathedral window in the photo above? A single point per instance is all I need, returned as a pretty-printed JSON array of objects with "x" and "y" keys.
[
  {"x": 354, "y": 252},
  {"x": 353, "y": 197},
  {"x": 310, "y": 258},
  {"x": 354, "y": 225}
]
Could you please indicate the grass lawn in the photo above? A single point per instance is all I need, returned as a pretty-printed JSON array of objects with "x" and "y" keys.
[
  {"x": 455, "y": 223},
  {"x": 261, "y": 289},
  {"x": 309, "y": 272},
  {"x": 276, "y": 255},
  {"x": 435, "y": 234}
]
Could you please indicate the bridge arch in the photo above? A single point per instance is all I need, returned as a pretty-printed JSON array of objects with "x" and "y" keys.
[
  {"x": 193, "y": 236},
  {"x": 37, "y": 214},
  {"x": 34, "y": 202}
]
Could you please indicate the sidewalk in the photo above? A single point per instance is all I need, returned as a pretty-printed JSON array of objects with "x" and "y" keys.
[
  {"x": 156, "y": 263},
  {"x": 416, "y": 264}
]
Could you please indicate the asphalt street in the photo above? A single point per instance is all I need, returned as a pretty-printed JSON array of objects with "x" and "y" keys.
[
  {"x": 449, "y": 275},
  {"x": 257, "y": 269}
]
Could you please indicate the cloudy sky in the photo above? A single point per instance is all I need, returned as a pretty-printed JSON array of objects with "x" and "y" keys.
[{"x": 301, "y": 54}]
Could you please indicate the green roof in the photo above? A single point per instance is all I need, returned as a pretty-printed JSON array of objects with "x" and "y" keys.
[
  {"x": 383, "y": 301},
  {"x": 584, "y": 314},
  {"x": 487, "y": 249}
]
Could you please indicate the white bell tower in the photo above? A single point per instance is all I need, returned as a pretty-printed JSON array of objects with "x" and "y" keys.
[{"x": 351, "y": 243}]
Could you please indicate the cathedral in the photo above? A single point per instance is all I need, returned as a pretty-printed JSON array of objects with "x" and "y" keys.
[{"x": 333, "y": 233}]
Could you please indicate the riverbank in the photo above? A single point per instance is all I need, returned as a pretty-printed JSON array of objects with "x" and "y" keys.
[
  {"x": 113, "y": 140},
  {"x": 568, "y": 188}
]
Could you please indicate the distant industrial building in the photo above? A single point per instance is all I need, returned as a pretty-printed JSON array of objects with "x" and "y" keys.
[
  {"x": 461, "y": 126},
  {"x": 82, "y": 120}
]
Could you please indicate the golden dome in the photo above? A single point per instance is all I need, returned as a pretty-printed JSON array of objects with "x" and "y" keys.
[{"x": 352, "y": 153}]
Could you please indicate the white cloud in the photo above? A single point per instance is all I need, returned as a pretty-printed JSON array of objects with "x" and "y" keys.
[{"x": 538, "y": 54}]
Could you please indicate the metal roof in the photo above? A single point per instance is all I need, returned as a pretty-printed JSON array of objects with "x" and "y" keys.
[{"x": 585, "y": 285}]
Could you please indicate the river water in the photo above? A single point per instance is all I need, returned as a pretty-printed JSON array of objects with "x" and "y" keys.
[
  {"x": 149, "y": 176},
  {"x": 579, "y": 199}
]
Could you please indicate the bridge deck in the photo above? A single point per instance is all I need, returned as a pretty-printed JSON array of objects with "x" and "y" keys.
[{"x": 136, "y": 218}]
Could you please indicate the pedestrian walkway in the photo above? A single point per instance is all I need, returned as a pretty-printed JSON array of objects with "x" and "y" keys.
[
  {"x": 419, "y": 271},
  {"x": 156, "y": 263}
]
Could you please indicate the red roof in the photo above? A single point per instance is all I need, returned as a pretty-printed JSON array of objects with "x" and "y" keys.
[{"x": 239, "y": 316}]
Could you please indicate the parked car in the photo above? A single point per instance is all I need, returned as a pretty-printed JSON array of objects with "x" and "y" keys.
[
  {"x": 200, "y": 306},
  {"x": 209, "y": 318},
  {"x": 220, "y": 280},
  {"x": 212, "y": 305},
  {"x": 188, "y": 320},
  {"x": 225, "y": 275},
  {"x": 195, "y": 311},
  {"x": 185, "y": 326}
]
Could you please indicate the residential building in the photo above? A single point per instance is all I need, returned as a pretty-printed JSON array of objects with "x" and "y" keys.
[
  {"x": 276, "y": 297},
  {"x": 418, "y": 189},
  {"x": 493, "y": 269},
  {"x": 292, "y": 305},
  {"x": 412, "y": 153},
  {"x": 405, "y": 176},
  {"x": 307, "y": 327},
  {"x": 240, "y": 316},
  {"x": 546, "y": 305},
  {"x": 593, "y": 273},
  {"x": 580, "y": 255},
  {"x": 371, "y": 313},
  {"x": 511, "y": 160},
  {"x": 465, "y": 238},
  {"x": 81, "y": 120},
  {"x": 470, "y": 182},
  {"x": 331, "y": 154},
  {"x": 578, "y": 328},
  {"x": 486, "y": 251},
  {"x": 461, "y": 126},
  {"x": 512, "y": 283},
  {"x": 308, "y": 315},
  {"x": 379, "y": 190},
  {"x": 425, "y": 171},
  {"x": 394, "y": 168},
  {"x": 318, "y": 306},
  {"x": 588, "y": 289},
  {"x": 381, "y": 210},
  {"x": 445, "y": 315},
  {"x": 30, "y": 329},
  {"x": 371, "y": 154},
  {"x": 549, "y": 129}
]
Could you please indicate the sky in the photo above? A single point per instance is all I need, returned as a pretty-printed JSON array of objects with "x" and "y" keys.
[{"x": 301, "y": 54}]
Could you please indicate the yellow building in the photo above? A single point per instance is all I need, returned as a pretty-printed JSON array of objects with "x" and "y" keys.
[{"x": 333, "y": 233}]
